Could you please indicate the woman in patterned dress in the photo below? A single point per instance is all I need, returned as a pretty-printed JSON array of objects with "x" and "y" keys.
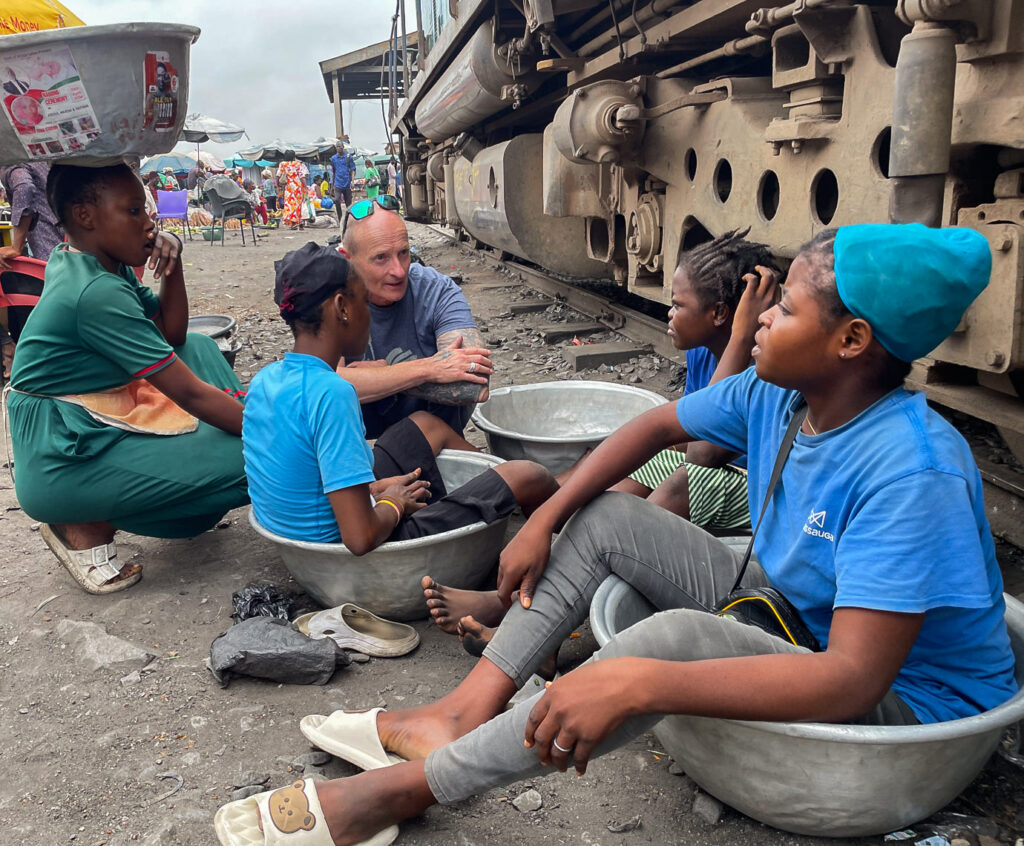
[{"x": 294, "y": 174}]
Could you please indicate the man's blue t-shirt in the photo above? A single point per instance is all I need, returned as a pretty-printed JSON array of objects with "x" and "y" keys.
[
  {"x": 886, "y": 513},
  {"x": 302, "y": 437},
  {"x": 342, "y": 165},
  {"x": 433, "y": 304}
]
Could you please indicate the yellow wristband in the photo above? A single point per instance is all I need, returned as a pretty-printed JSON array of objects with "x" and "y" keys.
[{"x": 398, "y": 510}]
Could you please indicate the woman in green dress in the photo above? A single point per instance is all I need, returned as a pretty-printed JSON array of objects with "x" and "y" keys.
[
  {"x": 119, "y": 418},
  {"x": 372, "y": 177}
]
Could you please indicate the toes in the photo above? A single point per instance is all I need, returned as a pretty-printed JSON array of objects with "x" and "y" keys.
[{"x": 427, "y": 582}]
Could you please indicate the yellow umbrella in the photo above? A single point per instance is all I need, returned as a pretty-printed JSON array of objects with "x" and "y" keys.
[{"x": 30, "y": 15}]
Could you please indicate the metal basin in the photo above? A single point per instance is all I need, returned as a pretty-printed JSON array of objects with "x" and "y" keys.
[
  {"x": 214, "y": 325},
  {"x": 386, "y": 581},
  {"x": 108, "y": 64},
  {"x": 554, "y": 423},
  {"x": 823, "y": 779}
]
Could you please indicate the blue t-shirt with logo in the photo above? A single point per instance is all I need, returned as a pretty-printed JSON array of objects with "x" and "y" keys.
[
  {"x": 302, "y": 437},
  {"x": 885, "y": 513},
  {"x": 433, "y": 304}
]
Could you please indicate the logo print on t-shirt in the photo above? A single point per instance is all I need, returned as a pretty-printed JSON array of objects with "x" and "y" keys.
[{"x": 815, "y": 526}]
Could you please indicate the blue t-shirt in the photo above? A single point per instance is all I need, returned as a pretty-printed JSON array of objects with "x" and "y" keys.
[
  {"x": 885, "y": 513},
  {"x": 343, "y": 166},
  {"x": 433, "y": 304},
  {"x": 700, "y": 367},
  {"x": 302, "y": 437}
]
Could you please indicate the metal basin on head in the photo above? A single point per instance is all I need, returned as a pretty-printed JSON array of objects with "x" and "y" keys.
[
  {"x": 386, "y": 581},
  {"x": 95, "y": 91},
  {"x": 818, "y": 778},
  {"x": 554, "y": 423}
]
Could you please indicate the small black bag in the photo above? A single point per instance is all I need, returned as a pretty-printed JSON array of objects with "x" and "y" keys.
[{"x": 766, "y": 607}]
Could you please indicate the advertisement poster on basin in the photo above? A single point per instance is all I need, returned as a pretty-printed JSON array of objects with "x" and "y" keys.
[{"x": 45, "y": 101}]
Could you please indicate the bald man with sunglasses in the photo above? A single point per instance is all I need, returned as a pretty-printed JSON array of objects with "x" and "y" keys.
[{"x": 425, "y": 351}]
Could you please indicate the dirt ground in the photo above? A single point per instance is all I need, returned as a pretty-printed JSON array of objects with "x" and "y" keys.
[{"x": 104, "y": 744}]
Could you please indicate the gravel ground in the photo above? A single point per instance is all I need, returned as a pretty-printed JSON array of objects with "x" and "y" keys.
[{"x": 115, "y": 732}]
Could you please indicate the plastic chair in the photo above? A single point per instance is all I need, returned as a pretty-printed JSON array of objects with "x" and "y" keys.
[
  {"x": 229, "y": 202},
  {"x": 20, "y": 287},
  {"x": 173, "y": 205}
]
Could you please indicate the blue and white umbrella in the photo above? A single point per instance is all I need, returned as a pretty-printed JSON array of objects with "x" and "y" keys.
[{"x": 202, "y": 128}]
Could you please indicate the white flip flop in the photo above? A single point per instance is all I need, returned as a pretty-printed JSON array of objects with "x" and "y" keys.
[
  {"x": 288, "y": 816},
  {"x": 355, "y": 628},
  {"x": 351, "y": 736}
]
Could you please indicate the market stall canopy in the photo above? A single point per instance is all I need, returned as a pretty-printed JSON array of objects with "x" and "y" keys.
[
  {"x": 202, "y": 128},
  {"x": 32, "y": 15},
  {"x": 178, "y": 162},
  {"x": 239, "y": 162},
  {"x": 276, "y": 151},
  {"x": 208, "y": 159}
]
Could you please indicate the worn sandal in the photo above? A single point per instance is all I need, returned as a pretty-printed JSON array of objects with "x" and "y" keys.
[
  {"x": 355, "y": 628},
  {"x": 94, "y": 569},
  {"x": 288, "y": 816}
]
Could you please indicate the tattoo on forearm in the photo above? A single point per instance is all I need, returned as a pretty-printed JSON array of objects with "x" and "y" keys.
[
  {"x": 449, "y": 393},
  {"x": 471, "y": 337},
  {"x": 452, "y": 393}
]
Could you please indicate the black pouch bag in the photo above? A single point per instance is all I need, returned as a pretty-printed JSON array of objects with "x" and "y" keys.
[{"x": 766, "y": 607}]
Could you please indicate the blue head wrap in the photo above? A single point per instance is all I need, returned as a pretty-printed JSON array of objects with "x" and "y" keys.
[{"x": 910, "y": 282}]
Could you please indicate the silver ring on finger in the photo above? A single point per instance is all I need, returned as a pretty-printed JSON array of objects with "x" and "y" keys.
[
  {"x": 472, "y": 367},
  {"x": 561, "y": 748}
]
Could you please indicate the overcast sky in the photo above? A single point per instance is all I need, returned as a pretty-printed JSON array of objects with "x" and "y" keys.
[{"x": 256, "y": 63}]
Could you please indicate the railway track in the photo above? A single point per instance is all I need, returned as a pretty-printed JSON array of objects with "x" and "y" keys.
[{"x": 1004, "y": 488}]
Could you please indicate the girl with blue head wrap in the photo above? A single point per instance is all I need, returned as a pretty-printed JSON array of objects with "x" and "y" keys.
[{"x": 876, "y": 533}]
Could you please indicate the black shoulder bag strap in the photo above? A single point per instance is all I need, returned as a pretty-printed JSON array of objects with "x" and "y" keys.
[{"x": 780, "y": 460}]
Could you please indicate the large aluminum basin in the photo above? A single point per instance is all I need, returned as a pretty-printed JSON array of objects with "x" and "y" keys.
[
  {"x": 386, "y": 581},
  {"x": 554, "y": 423},
  {"x": 823, "y": 779},
  {"x": 110, "y": 62}
]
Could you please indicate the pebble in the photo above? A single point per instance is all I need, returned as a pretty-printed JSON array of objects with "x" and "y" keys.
[
  {"x": 134, "y": 677},
  {"x": 246, "y": 792},
  {"x": 707, "y": 807},
  {"x": 359, "y": 657},
  {"x": 675, "y": 769},
  {"x": 527, "y": 801},
  {"x": 316, "y": 758},
  {"x": 35, "y": 527},
  {"x": 251, "y": 778}
]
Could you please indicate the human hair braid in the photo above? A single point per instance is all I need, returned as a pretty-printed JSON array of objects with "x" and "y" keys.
[{"x": 716, "y": 268}]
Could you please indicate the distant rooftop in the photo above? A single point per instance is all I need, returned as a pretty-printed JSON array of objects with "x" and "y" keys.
[{"x": 364, "y": 74}]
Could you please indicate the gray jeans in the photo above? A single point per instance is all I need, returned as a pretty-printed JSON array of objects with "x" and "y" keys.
[{"x": 679, "y": 568}]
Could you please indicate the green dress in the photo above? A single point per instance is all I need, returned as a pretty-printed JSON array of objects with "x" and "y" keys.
[
  {"x": 92, "y": 331},
  {"x": 372, "y": 190}
]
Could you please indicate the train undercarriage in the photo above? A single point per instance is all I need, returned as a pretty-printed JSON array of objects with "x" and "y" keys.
[{"x": 598, "y": 138}]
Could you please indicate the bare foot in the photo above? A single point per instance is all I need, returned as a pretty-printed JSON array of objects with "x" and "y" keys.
[
  {"x": 414, "y": 733},
  {"x": 357, "y": 808},
  {"x": 475, "y": 636},
  {"x": 449, "y": 605}
]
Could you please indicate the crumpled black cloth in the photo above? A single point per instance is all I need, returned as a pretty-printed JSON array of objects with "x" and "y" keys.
[{"x": 272, "y": 649}]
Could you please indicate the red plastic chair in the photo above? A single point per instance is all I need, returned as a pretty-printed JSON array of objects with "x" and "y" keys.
[{"x": 20, "y": 287}]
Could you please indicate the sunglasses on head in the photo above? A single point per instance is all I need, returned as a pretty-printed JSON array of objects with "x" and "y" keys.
[{"x": 364, "y": 208}]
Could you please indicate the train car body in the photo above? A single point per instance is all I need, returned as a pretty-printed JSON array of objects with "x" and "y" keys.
[{"x": 598, "y": 138}]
